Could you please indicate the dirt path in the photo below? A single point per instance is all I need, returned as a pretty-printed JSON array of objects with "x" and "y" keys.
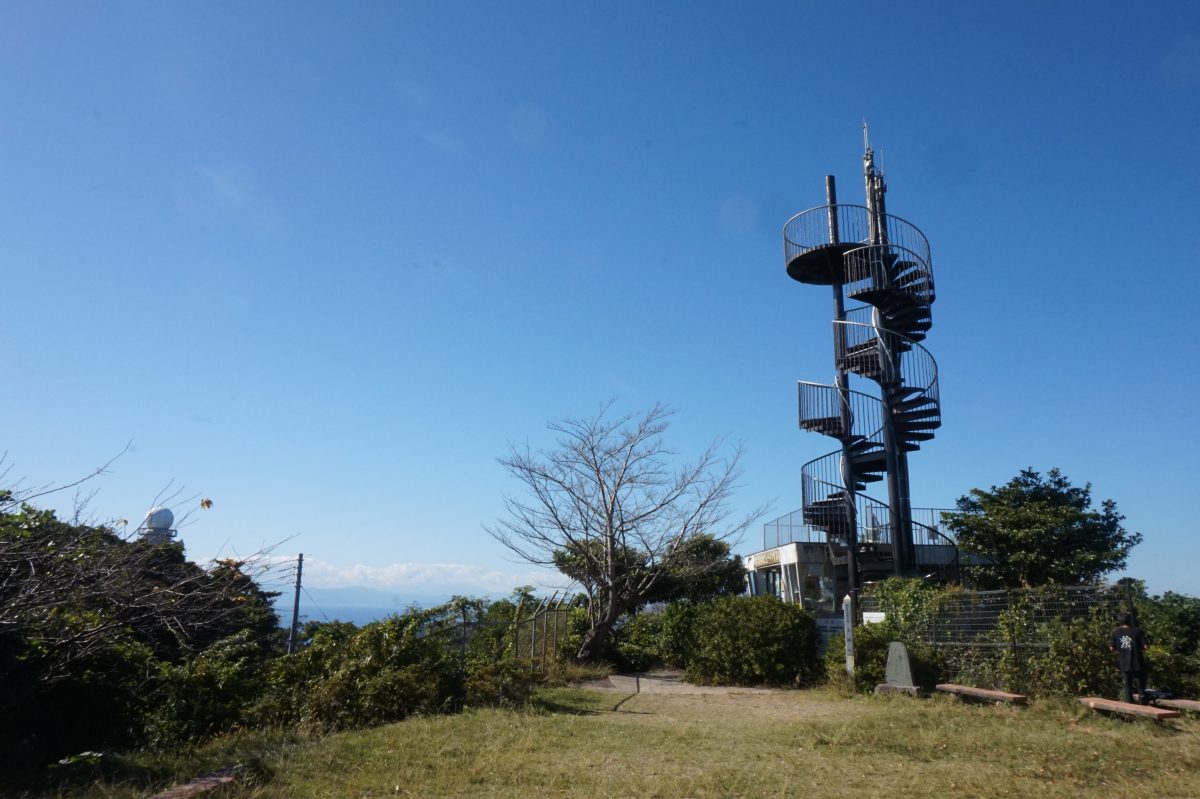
[{"x": 664, "y": 682}]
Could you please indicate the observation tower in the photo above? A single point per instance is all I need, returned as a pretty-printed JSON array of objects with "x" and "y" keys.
[{"x": 881, "y": 406}]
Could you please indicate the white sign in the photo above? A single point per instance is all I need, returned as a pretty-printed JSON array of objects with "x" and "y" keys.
[{"x": 873, "y": 617}]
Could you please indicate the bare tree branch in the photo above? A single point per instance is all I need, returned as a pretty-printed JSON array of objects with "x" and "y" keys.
[{"x": 608, "y": 499}]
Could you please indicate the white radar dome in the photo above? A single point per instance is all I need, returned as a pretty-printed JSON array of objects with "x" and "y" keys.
[{"x": 159, "y": 519}]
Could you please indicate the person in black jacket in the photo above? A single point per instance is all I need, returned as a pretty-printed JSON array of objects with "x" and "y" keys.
[{"x": 1130, "y": 643}]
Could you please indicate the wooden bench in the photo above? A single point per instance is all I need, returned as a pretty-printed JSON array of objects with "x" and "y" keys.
[
  {"x": 981, "y": 693},
  {"x": 1127, "y": 708},
  {"x": 1179, "y": 704}
]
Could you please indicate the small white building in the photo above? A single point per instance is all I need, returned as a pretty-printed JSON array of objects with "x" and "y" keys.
[
  {"x": 799, "y": 564},
  {"x": 800, "y": 572}
]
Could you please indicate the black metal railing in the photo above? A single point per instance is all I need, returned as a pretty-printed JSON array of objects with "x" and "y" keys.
[
  {"x": 933, "y": 519},
  {"x": 791, "y": 529},
  {"x": 886, "y": 271},
  {"x": 860, "y": 344},
  {"x": 826, "y": 504},
  {"x": 810, "y": 230},
  {"x": 839, "y": 413},
  {"x": 885, "y": 262}
]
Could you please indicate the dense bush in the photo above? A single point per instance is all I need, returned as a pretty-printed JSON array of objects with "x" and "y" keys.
[
  {"x": 1172, "y": 625},
  {"x": 347, "y": 676},
  {"x": 419, "y": 662},
  {"x": 112, "y": 642},
  {"x": 676, "y": 636},
  {"x": 871, "y": 644},
  {"x": 210, "y": 693},
  {"x": 1022, "y": 653},
  {"x": 108, "y": 643},
  {"x": 506, "y": 683},
  {"x": 750, "y": 641},
  {"x": 638, "y": 643}
]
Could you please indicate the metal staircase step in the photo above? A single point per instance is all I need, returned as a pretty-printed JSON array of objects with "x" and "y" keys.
[
  {"x": 826, "y": 425},
  {"x": 911, "y": 405},
  {"x": 870, "y": 460},
  {"x": 925, "y": 414}
]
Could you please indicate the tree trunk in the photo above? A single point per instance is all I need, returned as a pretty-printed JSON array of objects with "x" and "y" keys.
[{"x": 595, "y": 638}]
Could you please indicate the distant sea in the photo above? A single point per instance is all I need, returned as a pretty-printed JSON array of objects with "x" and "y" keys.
[
  {"x": 358, "y": 605},
  {"x": 359, "y": 614}
]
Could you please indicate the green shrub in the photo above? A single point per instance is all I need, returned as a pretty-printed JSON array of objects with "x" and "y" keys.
[
  {"x": 383, "y": 672},
  {"x": 638, "y": 642},
  {"x": 507, "y": 683},
  {"x": 1172, "y": 625},
  {"x": 675, "y": 634},
  {"x": 744, "y": 640},
  {"x": 577, "y": 626},
  {"x": 1076, "y": 661},
  {"x": 210, "y": 693}
]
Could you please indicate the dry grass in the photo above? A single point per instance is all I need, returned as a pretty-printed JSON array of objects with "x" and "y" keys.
[{"x": 589, "y": 744}]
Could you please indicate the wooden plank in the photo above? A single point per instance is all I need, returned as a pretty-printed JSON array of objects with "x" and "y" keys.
[
  {"x": 1113, "y": 706},
  {"x": 981, "y": 693},
  {"x": 1179, "y": 704}
]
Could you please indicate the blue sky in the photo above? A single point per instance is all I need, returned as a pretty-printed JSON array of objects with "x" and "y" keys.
[{"x": 321, "y": 262}]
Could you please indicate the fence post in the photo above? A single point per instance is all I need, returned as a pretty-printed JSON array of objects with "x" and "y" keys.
[
  {"x": 517, "y": 630},
  {"x": 848, "y": 624},
  {"x": 462, "y": 642}
]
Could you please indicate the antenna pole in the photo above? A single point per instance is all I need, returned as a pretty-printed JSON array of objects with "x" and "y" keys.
[{"x": 296, "y": 605}]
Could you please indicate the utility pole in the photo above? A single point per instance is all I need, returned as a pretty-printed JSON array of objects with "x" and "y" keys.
[{"x": 296, "y": 605}]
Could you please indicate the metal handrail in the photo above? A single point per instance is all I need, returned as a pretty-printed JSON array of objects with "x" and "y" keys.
[
  {"x": 809, "y": 230},
  {"x": 933, "y": 520},
  {"x": 774, "y": 535},
  {"x": 823, "y": 478},
  {"x": 820, "y": 479},
  {"x": 872, "y": 264},
  {"x": 823, "y": 401},
  {"x": 917, "y": 364}
]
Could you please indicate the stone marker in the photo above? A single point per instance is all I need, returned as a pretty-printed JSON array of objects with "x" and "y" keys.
[{"x": 899, "y": 672}]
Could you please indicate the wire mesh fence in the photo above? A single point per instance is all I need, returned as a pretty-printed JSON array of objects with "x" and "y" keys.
[
  {"x": 539, "y": 637},
  {"x": 1006, "y": 618},
  {"x": 536, "y": 636},
  {"x": 1041, "y": 641}
]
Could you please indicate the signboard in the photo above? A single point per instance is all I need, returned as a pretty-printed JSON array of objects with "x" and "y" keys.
[
  {"x": 770, "y": 558},
  {"x": 829, "y": 625},
  {"x": 873, "y": 617}
]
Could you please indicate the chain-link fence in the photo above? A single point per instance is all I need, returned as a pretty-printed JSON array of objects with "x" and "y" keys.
[
  {"x": 536, "y": 635},
  {"x": 1014, "y": 617},
  {"x": 539, "y": 637},
  {"x": 1048, "y": 640}
]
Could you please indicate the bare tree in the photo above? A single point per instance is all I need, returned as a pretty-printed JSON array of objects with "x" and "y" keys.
[
  {"x": 71, "y": 588},
  {"x": 69, "y": 591},
  {"x": 608, "y": 507}
]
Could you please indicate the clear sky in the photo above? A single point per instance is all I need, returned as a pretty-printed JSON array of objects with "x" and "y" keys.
[{"x": 321, "y": 261}]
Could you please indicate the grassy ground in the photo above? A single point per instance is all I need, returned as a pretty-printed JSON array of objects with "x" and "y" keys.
[{"x": 589, "y": 744}]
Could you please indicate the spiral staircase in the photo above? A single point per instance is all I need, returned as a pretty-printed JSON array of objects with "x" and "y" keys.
[{"x": 881, "y": 262}]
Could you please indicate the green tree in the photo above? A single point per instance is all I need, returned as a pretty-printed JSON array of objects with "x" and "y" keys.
[
  {"x": 1036, "y": 530},
  {"x": 704, "y": 568},
  {"x": 94, "y": 628},
  {"x": 610, "y": 506}
]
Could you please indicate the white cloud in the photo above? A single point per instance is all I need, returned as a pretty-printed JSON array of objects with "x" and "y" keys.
[{"x": 420, "y": 577}]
